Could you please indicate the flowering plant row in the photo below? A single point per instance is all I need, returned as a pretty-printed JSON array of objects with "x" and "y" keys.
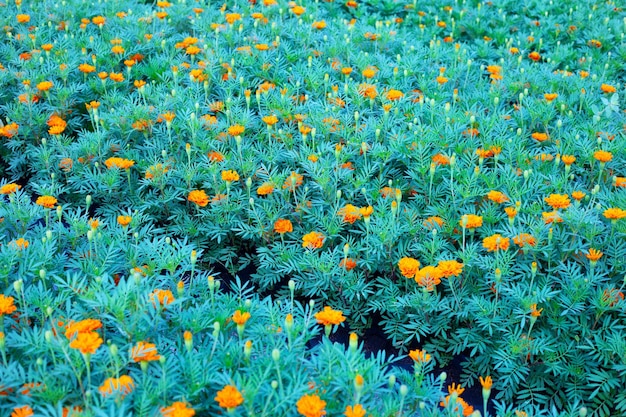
[{"x": 453, "y": 173}]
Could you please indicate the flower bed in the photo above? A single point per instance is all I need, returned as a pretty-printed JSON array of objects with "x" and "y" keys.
[{"x": 456, "y": 171}]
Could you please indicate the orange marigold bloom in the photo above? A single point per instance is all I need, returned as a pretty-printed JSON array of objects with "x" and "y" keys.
[
  {"x": 46, "y": 201},
  {"x": 298, "y": 10},
  {"x": 313, "y": 240},
  {"x": 270, "y": 120},
  {"x": 23, "y": 18},
  {"x": 355, "y": 411},
  {"x": 510, "y": 212},
  {"x": 162, "y": 297},
  {"x": 366, "y": 212},
  {"x": 551, "y": 217},
  {"x": 441, "y": 159},
  {"x": 558, "y": 201},
  {"x": 283, "y": 226},
  {"x": 229, "y": 397},
  {"x": 540, "y": 137},
  {"x": 19, "y": 244},
  {"x": 620, "y": 182},
  {"x": 496, "y": 242},
  {"x": 121, "y": 386},
  {"x": 471, "y": 221},
  {"x": 144, "y": 352},
  {"x": 82, "y": 326},
  {"x": 230, "y": 175},
  {"x": 433, "y": 221},
  {"x": 524, "y": 239},
  {"x": 86, "y": 68},
  {"x": 349, "y": 213},
  {"x": 614, "y": 213},
  {"x": 6, "y": 305},
  {"x": 236, "y": 130},
  {"x": 87, "y": 343},
  {"x": 232, "y": 17},
  {"x": 497, "y": 197},
  {"x": 24, "y": 411},
  {"x": 394, "y": 95},
  {"x": 603, "y": 156},
  {"x": 98, "y": 20},
  {"x": 294, "y": 180},
  {"x": 550, "y": 97},
  {"x": 124, "y": 220},
  {"x": 45, "y": 85},
  {"x": 535, "y": 56},
  {"x": 408, "y": 267},
  {"x": 578, "y": 195},
  {"x": 419, "y": 356},
  {"x": 534, "y": 312},
  {"x": 215, "y": 156},
  {"x": 265, "y": 189},
  {"x": 568, "y": 159},
  {"x": 311, "y": 406},
  {"x": 199, "y": 197},
  {"x": 241, "y": 318},
  {"x": 450, "y": 268},
  {"x": 178, "y": 409},
  {"x": 9, "y": 188},
  {"x": 607, "y": 88},
  {"x": 428, "y": 277},
  {"x": 120, "y": 163},
  {"x": 328, "y": 316},
  {"x": 319, "y": 25},
  {"x": 348, "y": 264},
  {"x": 594, "y": 255}
]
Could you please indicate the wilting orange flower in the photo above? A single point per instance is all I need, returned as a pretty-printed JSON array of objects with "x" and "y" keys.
[
  {"x": 497, "y": 197},
  {"x": 229, "y": 397},
  {"x": 450, "y": 268},
  {"x": 121, "y": 386},
  {"x": 241, "y": 318},
  {"x": 230, "y": 175},
  {"x": 614, "y": 213},
  {"x": 24, "y": 411},
  {"x": 524, "y": 239},
  {"x": 9, "y": 188},
  {"x": 540, "y": 137},
  {"x": 162, "y": 297},
  {"x": 551, "y": 217},
  {"x": 349, "y": 213},
  {"x": 433, "y": 221},
  {"x": 87, "y": 343},
  {"x": 348, "y": 264},
  {"x": 428, "y": 277},
  {"x": 120, "y": 163},
  {"x": 394, "y": 95},
  {"x": 294, "y": 180},
  {"x": 199, "y": 197},
  {"x": 328, "y": 316},
  {"x": 144, "y": 352},
  {"x": 419, "y": 356},
  {"x": 408, "y": 267},
  {"x": 311, "y": 406},
  {"x": 178, "y": 409},
  {"x": 534, "y": 312},
  {"x": 46, "y": 201},
  {"x": 265, "y": 189},
  {"x": 594, "y": 255},
  {"x": 355, "y": 411},
  {"x": 19, "y": 244},
  {"x": 283, "y": 226},
  {"x": 6, "y": 305},
  {"x": 496, "y": 242},
  {"x": 558, "y": 201},
  {"x": 313, "y": 240},
  {"x": 471, "y": 221},
  {"x": 607, "y": 88},
  {"x": 603, "y": 156}
]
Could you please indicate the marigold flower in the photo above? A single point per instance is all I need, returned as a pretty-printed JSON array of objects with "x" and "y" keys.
[
  {"x": 240, "y": 318},
  {"x": 86, "y": 68},
  {"x": 428, "y": 277},
  {"x": 534, "y": 312},
  {"x": 614, "y": 213},
  {"x": 348, "y": 264},
  {"x": 433, "y": 221},
  {"x": 270, "y": 120},
  {"x": 441, "y": 159},
  {"x": 524, "y": 239},
  {"x": 408, "y": 267},
  {"x": 328, "y": 316},
  {"x": 471, "y": 221},
  {"x": 215, "y": 156},
  {"x": 578, "y": 195},
  {"x": 283, "y": 226},
  {"x": 124, "y": 220},
  {"x": 229, "y": 397},
  {"x": 232, "y": 17},
  {"x": 558, "y": 201},
  {"x": 162, "y": 297},
  {"x": 540, "y": 137},
  {"x": 119, "y": 163},
  {"x": 121, "y": 386},
  {"x": 294, "y": 180},
  {"x": 450, "y": 268},
  {"x": 551, "y": 217},
  {"x": 311, "y": 406},
  {"x": 230, "y": 175},
  {"x": 497, "y": 197},
  {"x": 144, "y": 352},
  {"x": 550, "y": 97},
  {"x": 45, "y": 85},
  {"x": 496, "y": 242},
  {"x": 568, "y": 159},
  {"x": 603, "y": 156},
  {"x": 349, "y": 213},
  {"x": 6, "y": 305},
  {"x": 87, "y": 343},
  {"x": 178, "y": 409},
  {"x": 366, "y": 212},
  {"x": 394, "y": 95},
  {"x": 22, "y": 18},
  {"x": 607, "y": 88},
  {"x": 486, "y": 383},
  {"x": 594, "y": 255},
  {"x": 355, "y": 411},
  {"x": 313, "y": 240},
  {"x": 298, "y": 10},
  {"x": 83, "y": 326},
  {"x": 46, "y": 201},
  {"x": 24, "y": 411},
  {"x": 319, "y": 25},
  {"x": 199, "y": 197},
  {"x": 236, "y": 130},
  {"x": 511, "y": 212},
  {"x": 620, "y": 182},
  {"x": 265, "y": 189},
  {"x": 9, "y": 188},
  {"x": 419, "y": 356},
  {"x": 535, "y": 56}
]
